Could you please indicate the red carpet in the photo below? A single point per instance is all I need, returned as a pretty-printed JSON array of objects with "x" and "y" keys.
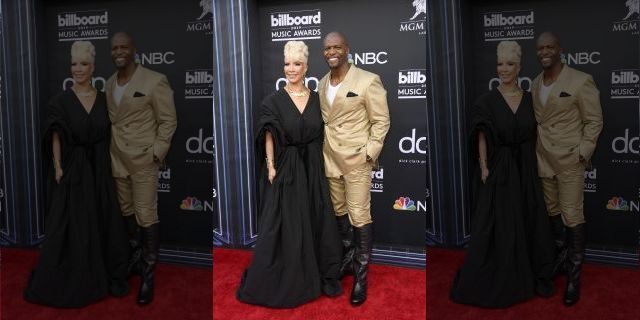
[
  {"x": 181, "y": 293},
  {"x": 607, "y": 293},
  {"x": 395, "y": 293}
]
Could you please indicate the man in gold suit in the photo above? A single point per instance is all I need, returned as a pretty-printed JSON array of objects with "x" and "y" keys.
[
  {"x": 567, "y": 107},
  {"x": 143, "y": 120},
  {"x": 354, "y": 109}
]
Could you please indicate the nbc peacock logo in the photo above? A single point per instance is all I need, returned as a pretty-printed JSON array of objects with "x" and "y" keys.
[
  {"x": 191, "y": 204},
  {"x": 618, "y": 204},
  {"x": 404, "y": 204}
]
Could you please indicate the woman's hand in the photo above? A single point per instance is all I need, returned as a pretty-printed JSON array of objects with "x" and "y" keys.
[
  {"x": 58, "y": 174},
  {"x": 484, "y": 173},
  {"x": 272, "y": 173}
]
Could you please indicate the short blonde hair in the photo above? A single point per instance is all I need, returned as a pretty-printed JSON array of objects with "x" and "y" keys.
[
  {"x": 509, "y": 50},
  {"x": 296, "y": 50},
  {"x": 83, "y": 50}
]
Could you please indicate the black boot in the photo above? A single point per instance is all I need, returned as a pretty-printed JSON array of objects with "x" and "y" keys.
[
  {"x": 150, "y": 245},
  {"x": 559, "y": 237},
  {"x": 576, "y": 241},
  {"x": 133, "y": 230},
  {"x": 346, "y": 235},
  {"x": 362, "y": 256}
]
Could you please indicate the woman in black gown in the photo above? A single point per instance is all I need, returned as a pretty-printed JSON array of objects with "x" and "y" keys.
[
  {"x": 298, "y": 252},
  {"x": 510, "y": 255},
  {"x": 85, "y": 251}
]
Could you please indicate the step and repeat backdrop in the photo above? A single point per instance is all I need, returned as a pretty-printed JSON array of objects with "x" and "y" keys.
[
  {"x": 389, "y": 39},
  {"x": 599, "y": 38},
  {"x": 174, "y": 38}
]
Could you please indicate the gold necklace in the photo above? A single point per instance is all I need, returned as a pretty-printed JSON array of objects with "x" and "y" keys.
[
  {"x": 298, "y": 94},
  {"x": 85, "y": 94},
  {"x": 511, "y": 94}
]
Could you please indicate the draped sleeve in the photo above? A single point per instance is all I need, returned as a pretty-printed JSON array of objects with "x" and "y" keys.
[
  {"x": 483, "y": 121},
  {"x": 269, "y": 121},
  {"x": 57, "y": 121}
]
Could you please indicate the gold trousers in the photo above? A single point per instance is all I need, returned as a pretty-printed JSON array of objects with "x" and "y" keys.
[{"x": 351, "y": 195}]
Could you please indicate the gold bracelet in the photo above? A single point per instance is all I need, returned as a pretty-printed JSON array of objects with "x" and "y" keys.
[
  {"x": 269, "y": 163},
  {"x": 56, "y": 164},
  {"x": 483, "y": 160}
]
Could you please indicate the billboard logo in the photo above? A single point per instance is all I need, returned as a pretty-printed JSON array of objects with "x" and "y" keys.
[
  {"x": 83, "y": 25},
  {"x": 634, "y": 8},
  {"x": 411, "y": 77},
  {"x": 296, "y": 25},
  {"x": 404, "y": 204},
  {"x": 199, "y": 144},
  {"x": 198, "y": 77},
  {"x": 625, "y": 84},
  {"x": 499, "y": 20},
  {"x": 73, "y": 20},
  {"x": 286, "y": 20},
  {"x": 421, "y": 7},
  {"x": 198, "y": 84},
  {"x": 412, "y": 145},
  {"x": 207, "y": 6},
  {"x": 624, "y": 77},
  {"x": 377, "y": 180},
  {"x": 164, "y": 180},
  {"x": 370, "y": 58},
  {"x": 620, "y": 204},
  {"x": 412, "y": 84},
  {"x": 508, "y": 25},
  {"x": 626, "y": 144},
  {"x": 590, "y": 177}
]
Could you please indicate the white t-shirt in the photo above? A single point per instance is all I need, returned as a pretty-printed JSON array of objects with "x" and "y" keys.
[
  {"x": 332, "y": 91},
  {"x": 118, "y": 92},
  {"x": 545, "y": 91}
]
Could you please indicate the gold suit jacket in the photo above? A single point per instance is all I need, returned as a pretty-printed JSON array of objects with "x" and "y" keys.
[
  {"x": 569, "y": 123},
  {"x": 357, "y": 122},
  {"x": 144, "y": 122}
]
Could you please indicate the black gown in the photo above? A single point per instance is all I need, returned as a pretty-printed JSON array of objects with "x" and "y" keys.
[
  {"x": 511, "y": 249},
  {"x": 85, "y": 251},
  {"x": 298, "y": 247}
]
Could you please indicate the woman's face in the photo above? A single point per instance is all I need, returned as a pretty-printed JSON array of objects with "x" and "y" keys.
[
  {"x": 294, "y": 70},
  {"x": 81, "y": 70},
  {"x": 508, "y": 70}
]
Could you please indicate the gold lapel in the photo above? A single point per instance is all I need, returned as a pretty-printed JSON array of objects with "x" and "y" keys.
[
  {"x": 129, "y": 90},
  {"x": 341, "y": 95},
  {"x": 111, "y": 105},
  {"x": 322, "y": 92},
  {"x": 557, "y": 87},
  {"x": 538, "y": 108}
]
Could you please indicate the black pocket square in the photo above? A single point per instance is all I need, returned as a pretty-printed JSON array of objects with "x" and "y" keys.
[
  {"x": 564, "y": 94},
  {"x": 351, "y": 94},
  {"x": 138, "y": 94}
]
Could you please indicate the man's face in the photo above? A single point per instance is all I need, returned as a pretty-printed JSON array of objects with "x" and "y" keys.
[
  {"x": 122, "y": 51},
  {"x": 336, "y": 51},
  {"x": 549, "y": 51}
]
